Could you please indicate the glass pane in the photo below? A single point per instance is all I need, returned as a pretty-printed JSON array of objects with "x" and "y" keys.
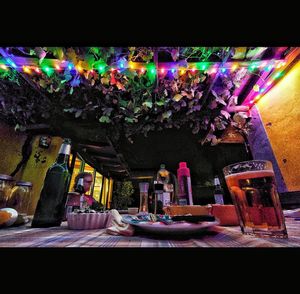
[
  {"x": 76, "y": 170},
  {"x": 89, "y": 169},
  {"x": 97, "y": 186},
  {"x": 110, "y": 192},
  {"x": 104, "y": 191}
]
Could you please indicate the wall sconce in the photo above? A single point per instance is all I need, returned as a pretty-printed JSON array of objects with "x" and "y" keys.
[{"x": 45, "y": 142}]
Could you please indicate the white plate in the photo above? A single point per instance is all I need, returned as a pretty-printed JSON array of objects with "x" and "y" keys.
[{"x": 179, "y": 228}]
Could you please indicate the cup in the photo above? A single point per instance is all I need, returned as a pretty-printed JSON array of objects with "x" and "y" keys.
[
  {"x": 254, "y": 193},
  {"x": 144, "y": 186},
  {"x": 133, "y": 210}
]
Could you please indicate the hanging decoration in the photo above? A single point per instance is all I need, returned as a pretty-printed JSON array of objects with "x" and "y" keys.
[{"x": 129, "y": 90}]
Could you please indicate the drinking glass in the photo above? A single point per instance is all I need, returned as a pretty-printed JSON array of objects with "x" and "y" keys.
[
  {"x": 144, "y": 186},
  {"x": 254, "y": 193}
]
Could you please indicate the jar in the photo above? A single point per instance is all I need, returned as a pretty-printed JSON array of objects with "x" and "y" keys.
[
  {"x": 6, "y": 185},
  {"x": 20, "y": 197}
]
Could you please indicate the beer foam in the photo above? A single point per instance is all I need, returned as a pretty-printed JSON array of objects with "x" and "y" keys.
[
  {"x": 251, "y": 174},
  {"x": 233, "y": 179}
]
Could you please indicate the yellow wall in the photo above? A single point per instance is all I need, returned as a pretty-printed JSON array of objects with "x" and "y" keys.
[
  {"x": 280, "y": 113},
  {"x": 10, "y": 149},
  {"x": 35, "y": 169}
]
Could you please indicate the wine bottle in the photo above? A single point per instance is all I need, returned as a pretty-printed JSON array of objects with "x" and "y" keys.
[
  {"x": 51, "y": 205},
  {"x": 80, "y": 189},
  {"x": 185, "y": 196}
]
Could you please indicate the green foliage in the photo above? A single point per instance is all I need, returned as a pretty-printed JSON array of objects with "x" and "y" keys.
[
  {"x": 126, "y": 101},
  {"x": 122, "y": 195}
]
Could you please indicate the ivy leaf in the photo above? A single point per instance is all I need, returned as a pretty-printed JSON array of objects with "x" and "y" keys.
[
  {"x": 123, "y": 103},
  {"x": 213, "y": 104},
  {"x": 42, "y": 83},
  {"x": 104, "y": 119},
  {"x": 177, "y": 97},
  {"x": 105, "y": 81},
  {"x": 197, "y": 107},
  {"x": 57, "y": 52},
  {"x": 218, "y": 99},
  {"x": 107, "y": 111},
  {"x": 72, "y": 109},
  {"x": 221, "y": 101},
  {"x": 78, "y": 113},
  {"x": 75, "y": 82},
  {"x": 160, "y": 103},
  {"x": 137, "y": 109},
  {"x": 199, "y": 95},
  {"x": 41, "y": 53},
  {"x": 50, "y": 90},
  {"x": 239, "y": 53},
  {"x": 71, "y": 55},
  {"x": 183, "y": 103},
  {"x": 128, "y": 119},
  {"x": 215, "y": 141},
  {"x": 167, "y": 114},
  {"x": 225, "y": 113},
  {"x": 130, "y": 105},
  {"x": 120, "y": 86},
  {"x": 67, "y": 75},
  {"x": 147, "y": 104},
  {"x": 174, "y": 54}
]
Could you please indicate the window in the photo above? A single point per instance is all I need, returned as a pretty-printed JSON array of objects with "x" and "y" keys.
[
  {"x": 78, "y": 167},
  {"x": 97, "y": 186},
  {"x": 101, "y": 189}
]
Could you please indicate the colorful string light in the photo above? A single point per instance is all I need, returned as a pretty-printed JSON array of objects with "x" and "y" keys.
[
  {"x": 173, "y": 67},
  {"x": 273, "y": 69}
]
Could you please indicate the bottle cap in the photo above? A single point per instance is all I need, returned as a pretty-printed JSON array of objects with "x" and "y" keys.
[
  {"x": 6, "y": 177},
  {"x": 182, "y": 164}
]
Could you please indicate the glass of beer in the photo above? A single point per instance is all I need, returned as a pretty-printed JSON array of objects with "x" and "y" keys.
[{"x": 254, "y": 193}]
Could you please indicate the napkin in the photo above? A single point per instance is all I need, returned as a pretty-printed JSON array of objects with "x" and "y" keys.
[
  {"x": 292, "y": 213},
  {"x": 117, "y": 226}
]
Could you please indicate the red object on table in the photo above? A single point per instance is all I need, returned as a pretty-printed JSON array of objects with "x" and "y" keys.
[{"x": 226, "y": 214}]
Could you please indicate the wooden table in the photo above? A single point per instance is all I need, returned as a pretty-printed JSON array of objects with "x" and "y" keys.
[{"x": 216, "y": 236}]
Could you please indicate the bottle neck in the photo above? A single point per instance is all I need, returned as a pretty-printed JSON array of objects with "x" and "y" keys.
[
  {"x": 62, "y": 158},
  {"x": 217, "y": 182},
  {"x": 64, "y": 153}
]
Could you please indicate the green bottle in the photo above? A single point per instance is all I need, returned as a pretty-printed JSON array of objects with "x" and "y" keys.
[{"x": 51, "y": 205}]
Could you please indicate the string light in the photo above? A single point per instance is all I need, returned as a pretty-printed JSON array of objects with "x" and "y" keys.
[{"x": 101, "y": 67}]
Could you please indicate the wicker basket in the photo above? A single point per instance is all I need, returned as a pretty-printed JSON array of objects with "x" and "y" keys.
[{"x": 88, "y": 221}]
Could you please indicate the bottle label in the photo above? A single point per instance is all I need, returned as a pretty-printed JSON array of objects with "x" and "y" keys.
[
  {"x": 219, "y": 199},
  {"x": 65, "y": 149},
  {"x": 185, "y": 189},
  {"x": 166, "y": 199}
]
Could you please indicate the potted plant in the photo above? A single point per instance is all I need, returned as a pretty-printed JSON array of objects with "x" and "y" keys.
[{"x": 122, "y": 195}]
